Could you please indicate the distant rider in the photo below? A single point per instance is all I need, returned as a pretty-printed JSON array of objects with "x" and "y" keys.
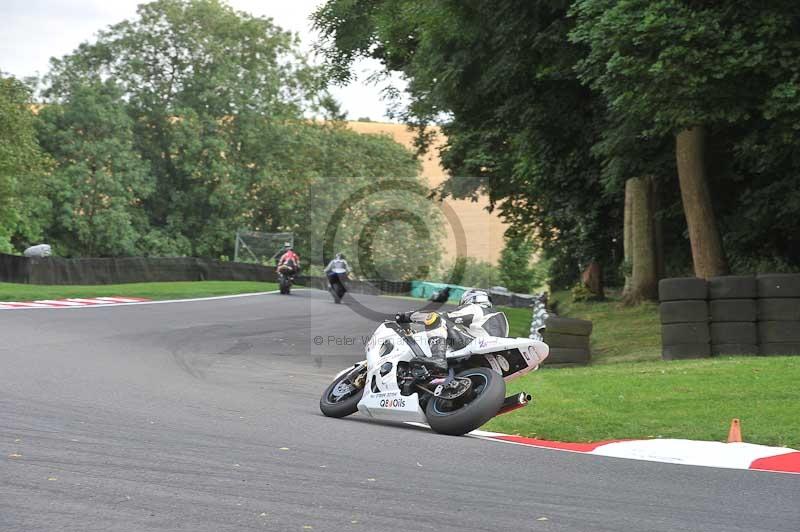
[
  {"x": 289, "y": 263},
  {"x": 337, "y": 271}
]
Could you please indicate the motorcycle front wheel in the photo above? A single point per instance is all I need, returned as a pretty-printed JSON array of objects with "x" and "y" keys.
[
  {"x": 460, "y": 416},
  {"x": 341, "y": 397}
]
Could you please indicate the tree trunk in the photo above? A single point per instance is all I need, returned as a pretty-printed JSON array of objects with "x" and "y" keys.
[
  {"x": 592, "y": 279},
  {"x": 644, "y": 281},
  {"x": 627, "y": 239},
  {"x": 658, "y": 230},
  {"x": 707, "y": 255}
]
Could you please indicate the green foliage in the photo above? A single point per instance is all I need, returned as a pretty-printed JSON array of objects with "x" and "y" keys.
[
  {"x": 551, "y": 106},
  {"x": 179, "y": 127},
  {"x": 517, "y": 273},
  {"x": 675, "y": 64},
  {"x": 473, "y": 272},
  {"x": 670, "y": 64},
  {"x": 100, "y": 181},
  {"x": 581, "y": 294},
  {"x": 517, "y": 119},
  {"x": 21, "y": 165}
]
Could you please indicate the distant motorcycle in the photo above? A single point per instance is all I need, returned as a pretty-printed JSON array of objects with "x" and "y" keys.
[
  {"x": 480, "y": 358},
  {"x": 285, "y": 278},
  {"x": 337, "y": 287}
]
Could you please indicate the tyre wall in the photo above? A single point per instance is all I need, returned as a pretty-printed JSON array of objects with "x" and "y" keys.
[
  {"x": 730, "y": 315},
  {"x": 685, "y": 330},
  {"x": 568, "y": 339},
  {"x": 778, "y": 314}
]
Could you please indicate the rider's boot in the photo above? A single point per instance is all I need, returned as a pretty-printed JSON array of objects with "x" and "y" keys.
[{"x": 437, "y": 343}]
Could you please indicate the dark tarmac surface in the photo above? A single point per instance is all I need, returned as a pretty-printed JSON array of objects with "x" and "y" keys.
[{"x": 204, "y": 416}]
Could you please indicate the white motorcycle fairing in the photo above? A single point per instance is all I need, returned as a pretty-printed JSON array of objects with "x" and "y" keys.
[{"x": 510, "y": 357}]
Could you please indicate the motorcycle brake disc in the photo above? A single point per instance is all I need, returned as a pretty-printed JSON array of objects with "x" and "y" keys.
[{"x": 455, "y": 389}]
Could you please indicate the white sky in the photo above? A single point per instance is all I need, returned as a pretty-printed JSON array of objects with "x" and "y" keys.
[{"x": 33, "y": 31}]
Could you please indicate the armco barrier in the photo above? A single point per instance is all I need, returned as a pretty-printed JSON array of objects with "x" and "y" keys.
[
  {"x": 14, "y": 269},
  {"x": 59, "y": 271},
  {"x": 746, "y": 315},
  {"x": 368, "y": 286},
  {"x": 96, "y": 271}
]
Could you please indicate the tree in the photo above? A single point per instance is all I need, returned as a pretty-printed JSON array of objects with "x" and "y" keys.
[
  {"x": 100, "y": 182},
  {"x": 640, "y": 242},
  {"x": 22, "y": 164},
  {"x": 516, "y": 272},
  {"x": 474, "y": 273},
  {"x": 689, "y": 68},
  {"x": 518, "y": 121},
  {"x": 208, "y": 89}
]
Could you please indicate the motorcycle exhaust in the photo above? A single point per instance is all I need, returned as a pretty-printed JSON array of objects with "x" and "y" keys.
[{"x": 514, "y": 402}]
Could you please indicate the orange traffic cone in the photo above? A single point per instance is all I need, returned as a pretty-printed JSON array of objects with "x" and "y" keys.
[{"x": 735, "y": 433}]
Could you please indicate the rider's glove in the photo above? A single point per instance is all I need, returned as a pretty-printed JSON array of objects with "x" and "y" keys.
[{"x": 403, "y": 317}]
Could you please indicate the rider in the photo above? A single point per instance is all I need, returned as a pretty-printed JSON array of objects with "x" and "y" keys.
[
  {"x": 337, "y": 271},
  {"x": 439, "y": 327},
  {"x": 289, "y": 261}
]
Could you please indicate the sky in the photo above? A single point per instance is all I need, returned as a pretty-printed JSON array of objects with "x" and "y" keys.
[{"x": 36, "y": 30}]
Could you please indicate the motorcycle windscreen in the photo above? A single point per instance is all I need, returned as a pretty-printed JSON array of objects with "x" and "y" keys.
[{"x": 496, "y": 325}]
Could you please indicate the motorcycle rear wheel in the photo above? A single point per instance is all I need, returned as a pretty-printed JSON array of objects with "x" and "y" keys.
[
  {"x": 285, "y": 285},
  {"x": 344, "y": 406},
  {"x": 489, "y": 391}
]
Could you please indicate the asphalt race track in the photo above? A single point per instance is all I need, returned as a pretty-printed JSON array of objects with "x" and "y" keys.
[{"x": 203, "y": 416}]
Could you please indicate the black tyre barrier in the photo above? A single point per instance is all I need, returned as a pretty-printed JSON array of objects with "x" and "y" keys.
[
  {"x": 682, "y": 288},
  {"x": 555, "y": 340},
  {"x": 568, "y": 355},
  {"x": 733, "y": 310},
  {"x": 734, "y": 333},
  {"x": 734, "y": 349},
  {"x": 784, "y": 348},
  {"x": 778, "y": 285},
  {"x": 778, "y": 332},
  {"x": 554, "y": 324},
  {"x": 684, "y": 333},
  {"x": 733, "y": 287},
  {"x": 779, "y": 309},
  {"x": 683, "y": 311},
  {"x": 685, "y": 351}
]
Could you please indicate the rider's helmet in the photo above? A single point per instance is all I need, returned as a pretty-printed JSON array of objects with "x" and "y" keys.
[
  {"x": 477, "y": 297},
  {"x": 287, "y": 246},
  {"x": 340, "y": 256}
]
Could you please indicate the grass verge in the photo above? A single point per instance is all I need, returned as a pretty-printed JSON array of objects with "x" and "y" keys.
[
  {"x": 620, "y": 333},
  {"x": 155, "y": 291},
  {"x": 693, "y": 399}
]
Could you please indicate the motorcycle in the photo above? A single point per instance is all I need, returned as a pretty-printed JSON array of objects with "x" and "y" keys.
[
  {"x": 285, "y": 278},
  {"x": 391, "y": 385},
  {"x": 337, "y": 287}
]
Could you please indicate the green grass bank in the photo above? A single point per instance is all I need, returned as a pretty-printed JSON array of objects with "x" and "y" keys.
[
  {"x": 155, "y": 291},
  {"x": 694, "y": 399}
]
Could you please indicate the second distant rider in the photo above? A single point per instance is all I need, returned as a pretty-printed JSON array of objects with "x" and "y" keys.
[{"x": 337, "y": 271}]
